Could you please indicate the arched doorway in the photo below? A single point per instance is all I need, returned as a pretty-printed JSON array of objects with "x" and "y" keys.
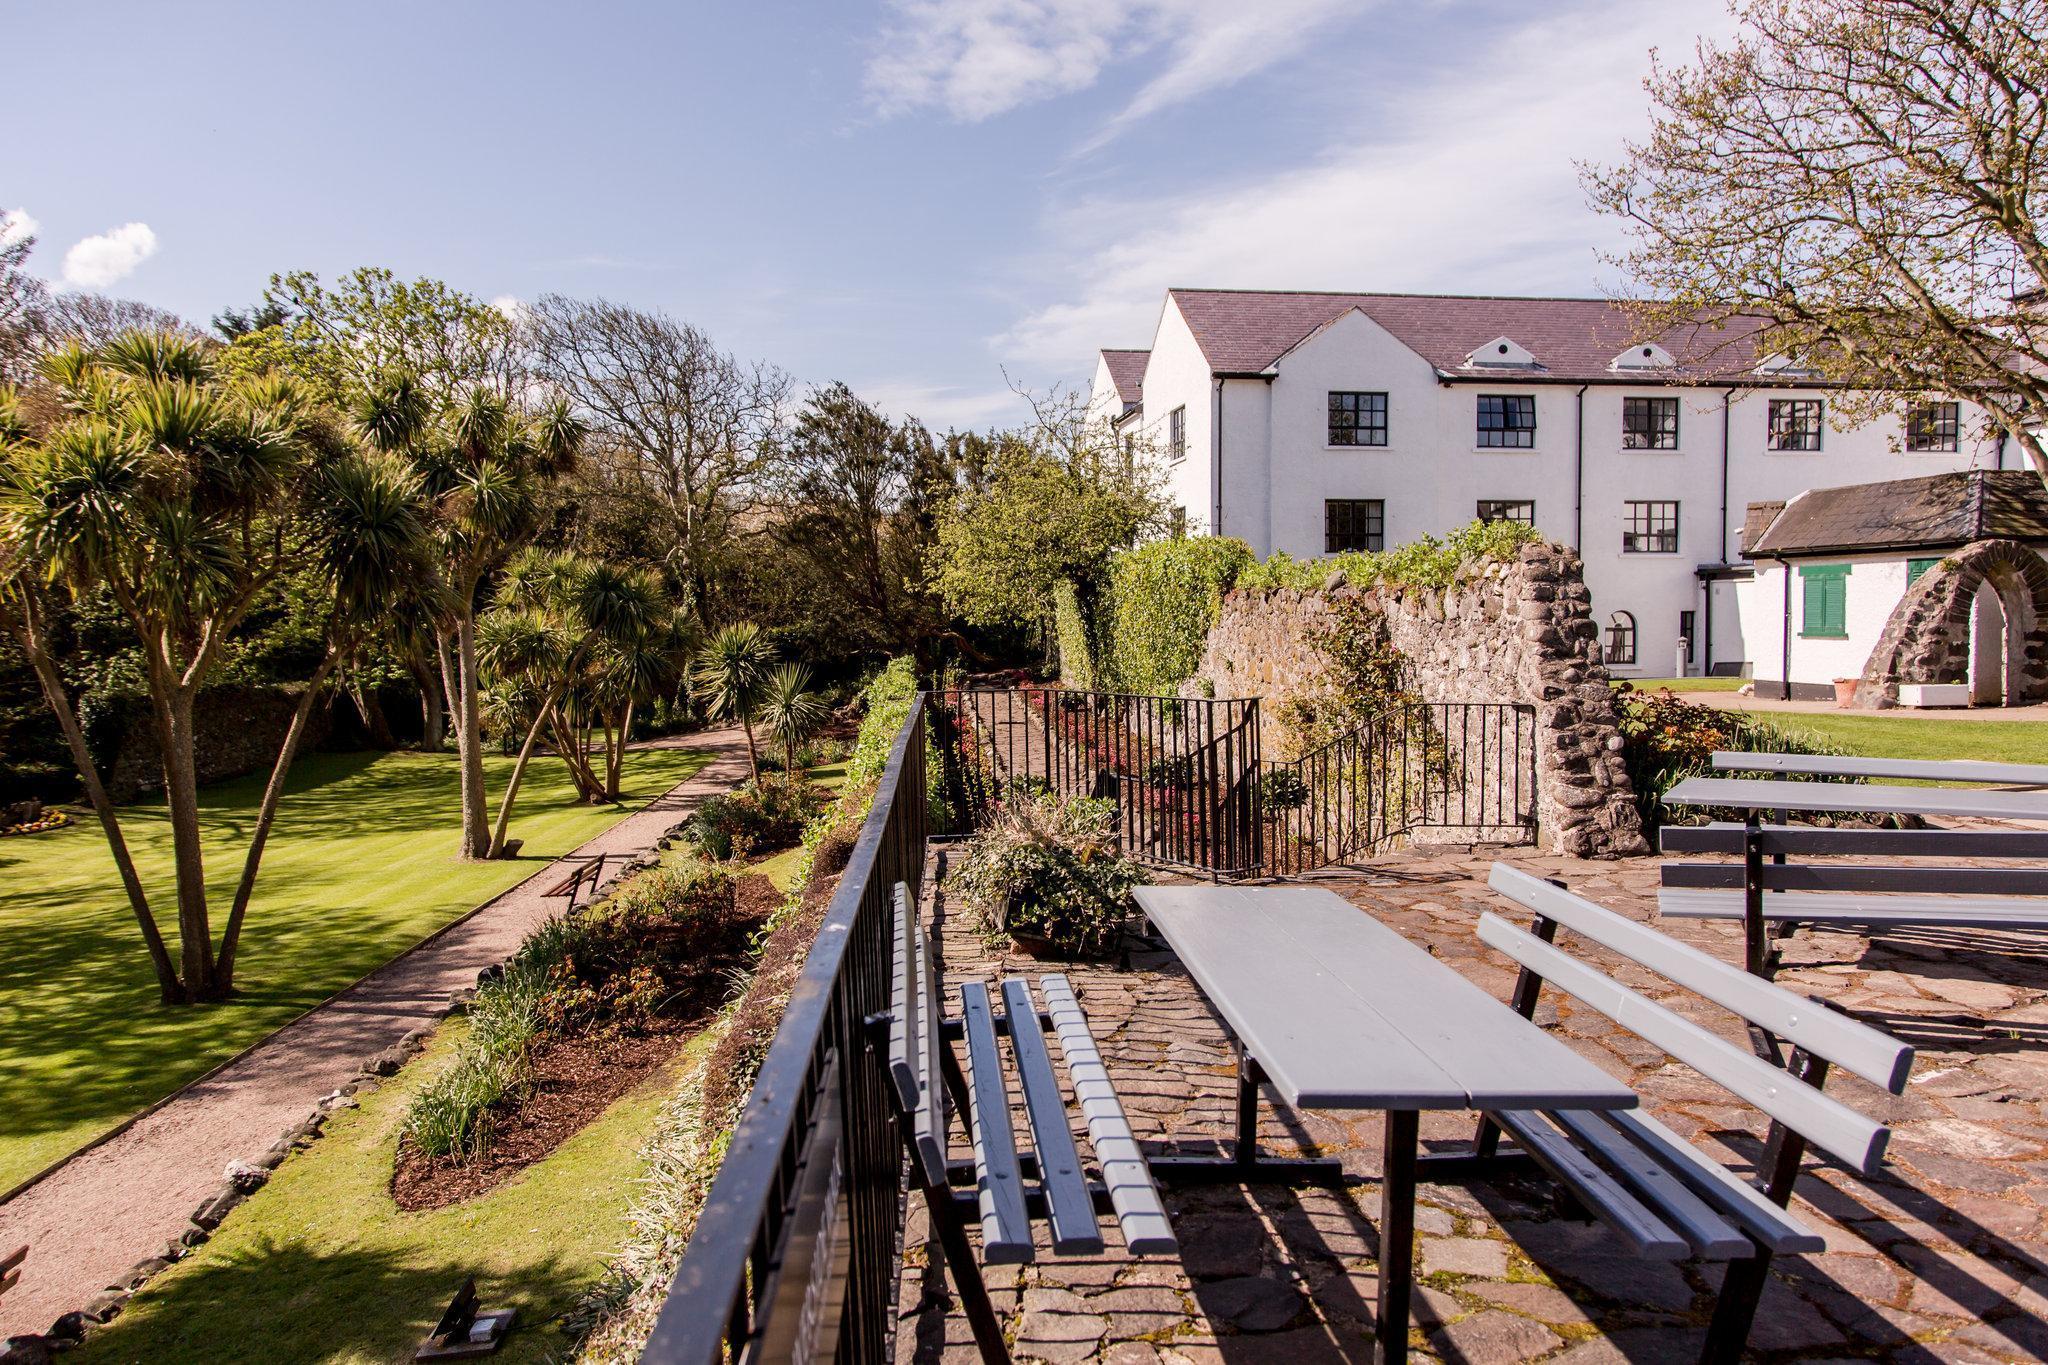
[{"x": 1977, "y": 616}]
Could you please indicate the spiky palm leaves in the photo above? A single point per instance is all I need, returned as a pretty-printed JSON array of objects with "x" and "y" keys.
[
  {"x": 792, "y": 712},
  {"x": 728, "y": 674}
]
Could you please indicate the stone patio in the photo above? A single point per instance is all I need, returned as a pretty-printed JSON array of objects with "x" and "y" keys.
[{"x": 1942, "y": 1258}]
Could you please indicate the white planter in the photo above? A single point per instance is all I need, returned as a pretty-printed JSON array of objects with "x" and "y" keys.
[{"x": 1934, "y": 694}]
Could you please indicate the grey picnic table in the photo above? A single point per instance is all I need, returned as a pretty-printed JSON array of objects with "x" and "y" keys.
[
  {"x": 1768, "y": 793},
  {"x": 1336, "y": 1011}
]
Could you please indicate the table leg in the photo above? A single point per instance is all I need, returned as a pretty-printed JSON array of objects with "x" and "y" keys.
[{"x": 1397, "y": 1234}]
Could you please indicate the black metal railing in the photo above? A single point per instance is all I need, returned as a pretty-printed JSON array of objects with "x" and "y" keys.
[{"x": 795, "y": 1255}]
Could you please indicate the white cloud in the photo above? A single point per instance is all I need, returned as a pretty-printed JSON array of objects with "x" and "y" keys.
[
  {"x": 16, "y": 224},
  {"x": 946, "y": 405},
  {"x": 975, "y": 59},
  {"x": 512, "y": 306},
  {"x": 1465, "y": 187},
  {"x": 101, "y": 260}
]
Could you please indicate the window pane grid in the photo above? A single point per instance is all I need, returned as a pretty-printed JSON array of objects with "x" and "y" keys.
[
  {"x": 1795, "y": 423},
  {"x": 1652, "y": 529},
  {"x": 1358, "y": 419},
  {"x": 1507, "y": 420},
  {"x": 1354, "y": 524},
  {"x": 1621, "y": 638},
  {"x": 1649, "y": 423},
  {"x": 1507, "y": 509},
  {"x": 1177, "y": 435},
  {"x": 1933, "y": 426}
]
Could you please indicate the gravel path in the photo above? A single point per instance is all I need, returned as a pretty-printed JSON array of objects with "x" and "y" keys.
[{"x": 107, "y": 1208}]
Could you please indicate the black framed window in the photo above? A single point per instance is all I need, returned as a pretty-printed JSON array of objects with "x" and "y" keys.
[
  {"x": 1933, "y": 426},
  {"x": 1621, "y": 638},
  {"x": 1687, "y": 622},
  {"x": 1177, "y": 435},
  {"x": 1354, "y": 524},
  {"x": 1652, "y": 529},
  {"x": 1507, "y": 420},
  {"x": 1508, "y": 509},
  {"x": 1649, "y": 424},
  {"x": 1358, "y": 419},
  {"x": 1796, "y": 423}
]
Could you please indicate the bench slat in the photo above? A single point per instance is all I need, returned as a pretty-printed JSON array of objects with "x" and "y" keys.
[
  {"x": 1913, "y": 769},
  {"x": 1826, "y": 1122},
  {"x": 1741, "y": 1201},
  {"x": 903, "y": 1004},
  {"x": 1647, "y": 1235},
  {"x": 1711, "y": 1236},
  {"x": 999, "y": 1183},
  {"x": 1988, "y": 881},
  {"x": 1069, "y": 1207},
  {"x": 1146, "y": 1228},
  {"x": 1725, "y": 836},
  {"x": 1813, "y": 907},
  {"x": 1877, "y": 1057}
]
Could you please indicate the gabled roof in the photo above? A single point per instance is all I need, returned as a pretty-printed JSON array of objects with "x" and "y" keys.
[
  {"x": 1938, "y": 511},
  {"x": 1244, "y": 331},
  {"x": 1127, "y": 372}
]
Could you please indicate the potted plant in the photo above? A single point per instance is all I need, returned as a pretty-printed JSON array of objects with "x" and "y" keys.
[{"x": 1047, "y": 874}]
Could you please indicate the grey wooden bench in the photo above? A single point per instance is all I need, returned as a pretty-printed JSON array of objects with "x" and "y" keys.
[
  {"x": 1892, "y": 769},
  {"x": 1769, "y": 891},
  {"x": 1010, "y": 1185},
  {"x": 1667, "y": 1199}
]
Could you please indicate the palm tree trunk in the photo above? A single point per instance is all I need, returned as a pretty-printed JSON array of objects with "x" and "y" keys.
[
  {"x": 518, "y": 773},
  {"x": 433, "y": 719},
  {"x": 273, "y": 793},
  {"x": 169, "y": 987},
  {"x": 615, "y": 757},
  {"x": 174, "y": 702},
  {"x": 469, "y": 740},
  {"x": 753, "y": 754}
]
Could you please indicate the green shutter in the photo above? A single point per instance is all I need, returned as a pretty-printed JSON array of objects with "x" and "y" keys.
[
  {"x": 1916, "y": 567},
  {"x": 1825, "y": 593}
]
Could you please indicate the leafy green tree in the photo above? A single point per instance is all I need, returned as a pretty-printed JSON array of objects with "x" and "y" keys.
[
  {"x": 481, "y": 461},
  {"x": 728, "y": 676},
  {"x": 348, "y": 338},
  {"x": 185, "y": 494},
  {"x": 791, "y": 711},
  {"x": 1865, "y": 177}
]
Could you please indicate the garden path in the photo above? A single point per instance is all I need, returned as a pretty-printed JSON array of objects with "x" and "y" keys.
[{"x": 90, "y": 1219}]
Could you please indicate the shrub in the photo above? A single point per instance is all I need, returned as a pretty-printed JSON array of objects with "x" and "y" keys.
[
  {"x": 1666, "y": 739},
  {"x": 1050, "y": 865},
  {"x": 755, "y": 817},
  {"x": 1161, "y": 601},
  {"x": 1280, "y": 790},
  {"x": 1425, "y": 563}
]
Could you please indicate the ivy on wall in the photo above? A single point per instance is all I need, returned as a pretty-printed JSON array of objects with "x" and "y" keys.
[
  {"x": 1426, "y": 563},
  {"x": 1161, "y": 602}
]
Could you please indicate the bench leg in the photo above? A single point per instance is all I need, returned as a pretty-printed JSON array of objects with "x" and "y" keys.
[
  {"x": 1244, "y": 1165},
  {"x": 1397, "y": 1235},
  {"x": 1735, "y": 1309},
  {"x": 966, "y": 1273}
]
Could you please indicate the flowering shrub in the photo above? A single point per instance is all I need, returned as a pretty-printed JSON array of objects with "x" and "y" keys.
[
  {"x": 1050, "y": 866},
  {"x": 1666, "y": 739},
  {"x": 754, "y": 817}
]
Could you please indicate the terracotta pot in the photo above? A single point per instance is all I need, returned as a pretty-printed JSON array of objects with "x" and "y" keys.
[{"x": 1845, "y": 691}]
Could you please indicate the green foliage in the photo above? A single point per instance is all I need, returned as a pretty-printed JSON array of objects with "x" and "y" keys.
[
  {"x": 1161, "y": 601},
  {"x": 755, "y": 817},
  {"x": 1073, "y": 627},
  {"x": 1051, "y": 866},
  {"x": 346, "y": 338},
  {"x": 1425, "y": 563}
]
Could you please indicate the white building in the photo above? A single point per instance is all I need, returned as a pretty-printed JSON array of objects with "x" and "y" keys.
[
  {"x": 1929, "y": 591},
  {"x": 1316, "y": 422}
]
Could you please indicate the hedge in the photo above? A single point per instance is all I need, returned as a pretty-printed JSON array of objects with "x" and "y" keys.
[{"x": 1162, "y": 600}]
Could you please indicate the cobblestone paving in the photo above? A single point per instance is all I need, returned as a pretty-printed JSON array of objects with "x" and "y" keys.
[{"x": 1945, "y": 1257}]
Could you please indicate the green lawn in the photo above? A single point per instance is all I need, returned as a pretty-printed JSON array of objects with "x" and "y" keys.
[
  {"x": 361, "y": 866},
  {"x": 1686, "y": 684},
  {"x": 2005, "y": 741},
  {"x": 320, "y": 1265}
]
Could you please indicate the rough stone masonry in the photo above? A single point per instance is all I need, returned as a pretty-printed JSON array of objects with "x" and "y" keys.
[{"x": 1513, "y": 631}]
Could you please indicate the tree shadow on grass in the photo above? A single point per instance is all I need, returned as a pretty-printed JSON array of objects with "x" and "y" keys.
[{"x": 289, "y": 1302}]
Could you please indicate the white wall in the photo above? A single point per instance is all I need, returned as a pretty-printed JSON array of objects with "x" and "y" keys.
[
  {"x": 1874, "y": 586},
  {"x": 1177, "y": 375}
]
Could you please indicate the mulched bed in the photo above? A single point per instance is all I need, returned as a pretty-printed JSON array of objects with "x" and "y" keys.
[{"x": 575, "y": 1080}]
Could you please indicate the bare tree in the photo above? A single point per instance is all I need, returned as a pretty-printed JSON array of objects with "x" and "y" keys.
[
  {"x": 1867, "y": 177},
  {"x": 94, "y": 319},
  {"x": 672, "y": 416},
  {"x": 22, "y": 299}
]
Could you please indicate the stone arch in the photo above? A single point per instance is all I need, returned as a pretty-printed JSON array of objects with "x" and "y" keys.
[{"x": 1928, "y": 637}]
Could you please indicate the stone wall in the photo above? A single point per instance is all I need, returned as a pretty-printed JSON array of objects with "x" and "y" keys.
[
  {"x": 238, "y": 730},
  {"x": 1518, "y": 631}
]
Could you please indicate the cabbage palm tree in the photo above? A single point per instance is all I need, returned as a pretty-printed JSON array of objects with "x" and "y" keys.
[
  {"x": 728, "y": 674},
  {"x": 184, "y": 493},
  {"x": 791, "y": 710},
  {"x": 482, "y": 462}
]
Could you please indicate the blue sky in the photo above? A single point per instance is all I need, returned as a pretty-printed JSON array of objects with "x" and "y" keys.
[{"x": 914, "y": 196}]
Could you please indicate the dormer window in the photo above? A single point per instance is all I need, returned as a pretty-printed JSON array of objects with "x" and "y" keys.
[
  {"x": 1646, "y": 357},
  {"x": 1501, "y": 353},
  {"x": 1785, "y": 367}
]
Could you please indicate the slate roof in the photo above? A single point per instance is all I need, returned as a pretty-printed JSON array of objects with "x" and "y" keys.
[
  {"x": 1936, "y": 511},
  {"x": 1243, "y": 331},
  {"x": 1127, "y": 372}
]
